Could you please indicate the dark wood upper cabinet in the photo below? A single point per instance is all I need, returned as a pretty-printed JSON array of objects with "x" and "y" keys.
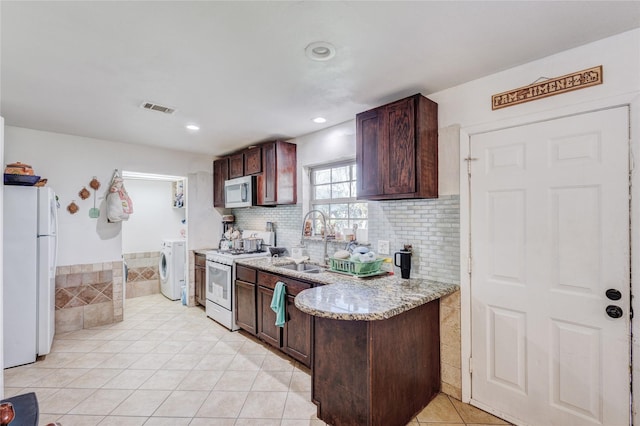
[
  {"x": 397, "y": 150},
  {"x": 267, "y": 182},
  {"x": 236, "y": 165},
  {"x": 368, "y": 150},
  {"x": 220, "y": 174},
  {"x": 277, "y": 183},
  {"x": 275, "y": 165},
  {"x": 252, "y": 161}
]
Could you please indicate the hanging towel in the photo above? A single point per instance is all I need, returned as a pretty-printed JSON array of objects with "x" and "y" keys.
[
  {"x": 278, "y": 303},
  {"x": 119, "y": 205}
]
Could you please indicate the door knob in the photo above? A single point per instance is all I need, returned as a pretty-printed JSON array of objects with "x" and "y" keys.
[
  {"x": 613, "y": 294},
  {"x": 614, "y": 311}
]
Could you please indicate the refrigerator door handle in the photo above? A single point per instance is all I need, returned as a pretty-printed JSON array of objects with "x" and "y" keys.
[{"x": 54, "y": 214}]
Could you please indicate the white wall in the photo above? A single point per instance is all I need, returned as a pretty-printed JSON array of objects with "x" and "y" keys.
[
  {"x": 154, "y": 216},
  {"x": 69, "y": 163},
  {"x": 203, "y": 221},
  {"x": 470, "y": 104},
  {"x": 1, "y": 263},
  {"x": 326, "y": 146}
]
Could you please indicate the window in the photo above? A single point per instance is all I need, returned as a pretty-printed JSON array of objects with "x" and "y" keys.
[{"x": 333, "y": 192}]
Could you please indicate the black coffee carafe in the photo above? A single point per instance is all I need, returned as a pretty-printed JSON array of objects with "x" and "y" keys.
[{"x": 405, "y": 262}]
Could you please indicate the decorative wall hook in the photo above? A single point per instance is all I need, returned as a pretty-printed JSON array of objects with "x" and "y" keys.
[
  {"x": 84, "y": 193},
  {"x": 73, "y": 207},
  {"x": 95, "y": 183}
]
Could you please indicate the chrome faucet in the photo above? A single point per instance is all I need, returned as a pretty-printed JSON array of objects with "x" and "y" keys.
[{"x": 325, "y": 259}]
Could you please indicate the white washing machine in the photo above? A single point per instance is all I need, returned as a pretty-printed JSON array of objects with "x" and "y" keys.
[{"x": 172, "y": 267}]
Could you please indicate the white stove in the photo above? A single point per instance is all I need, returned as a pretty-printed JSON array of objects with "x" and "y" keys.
[
  {"x": 220, "y": 277},
  {"x": 227, "y": 257}
]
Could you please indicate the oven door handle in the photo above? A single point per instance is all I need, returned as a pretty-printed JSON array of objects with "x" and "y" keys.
[{"x": 218, "y": 265}]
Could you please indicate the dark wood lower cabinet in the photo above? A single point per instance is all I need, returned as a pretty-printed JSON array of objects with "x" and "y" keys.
[
  {"x": 245, "y": 306},
  {"x": 376, "y": 373},
  {"x": 267, "y": 330},
  {"x": 297, "y": 333},
  {"x": 253, "y": 313},
  {"x": 200, "y": 280},
  {"x": 363, "y": 373}
]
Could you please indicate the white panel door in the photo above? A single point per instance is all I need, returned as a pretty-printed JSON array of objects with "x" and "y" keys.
[{"x": 549, "y": 235}]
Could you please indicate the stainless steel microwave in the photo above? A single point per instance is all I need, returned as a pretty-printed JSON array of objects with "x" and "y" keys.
[{"x": 240, "y": 192}]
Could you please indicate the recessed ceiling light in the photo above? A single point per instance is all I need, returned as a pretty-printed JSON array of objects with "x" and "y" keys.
[
  {"x": 192, "y": 127},
  {"x": 319, "y": 120},
  {"x": 320, "y": 51}
]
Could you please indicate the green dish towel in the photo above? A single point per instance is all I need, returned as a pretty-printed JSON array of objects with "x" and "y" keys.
[{"x": 278, "y": 303}]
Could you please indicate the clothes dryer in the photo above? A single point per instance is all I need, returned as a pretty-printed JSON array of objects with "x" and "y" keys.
[{"x": 172, "y": 267}]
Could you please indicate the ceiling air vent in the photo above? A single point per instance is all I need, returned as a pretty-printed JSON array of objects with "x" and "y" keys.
[{"x": 156, "y": 107}]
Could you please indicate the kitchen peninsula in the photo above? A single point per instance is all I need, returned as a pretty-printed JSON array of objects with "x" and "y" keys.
[{"x": 375, "y": 344}]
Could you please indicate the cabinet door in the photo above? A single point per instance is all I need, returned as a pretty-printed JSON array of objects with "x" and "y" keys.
[
  {"x": 245, "y": 274},
  {"x": 236, "y": 166},
  {"x": 267, "y": 180},
  {"x": 200, "y": 286},
  {"x": 277, "y": 182},
  {"x": 220, "y": 174},
  {"x": 400, "y": 155},
  {"x": 245, "y": 306},
  {"x": 286, "y": 173},
  {"x": 369, "y": 149},
  {"x": 253, "y": 161},
  {"x": 297, "y": 333},
  {"x": 267, "y": 330}
]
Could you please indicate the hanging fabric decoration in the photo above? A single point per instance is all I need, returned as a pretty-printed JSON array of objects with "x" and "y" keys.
[{"x": 119, "y": 205}]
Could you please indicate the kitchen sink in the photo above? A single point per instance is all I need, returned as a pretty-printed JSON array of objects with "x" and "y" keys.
[{"x": 303, "y": 267}]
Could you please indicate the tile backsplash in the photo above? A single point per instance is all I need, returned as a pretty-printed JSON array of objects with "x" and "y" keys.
[
  {"x": 431, "y": 226},
  {"x": 286, "y": 221}
]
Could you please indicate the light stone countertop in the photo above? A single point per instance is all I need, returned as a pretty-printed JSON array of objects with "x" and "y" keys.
[{"x": 349, "y": 298}]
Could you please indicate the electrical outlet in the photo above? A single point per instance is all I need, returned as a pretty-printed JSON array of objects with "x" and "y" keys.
[{"x": 383, "y": 247}]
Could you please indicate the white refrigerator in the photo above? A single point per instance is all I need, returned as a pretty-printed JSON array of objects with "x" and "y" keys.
[{"x": 30, "y": 246}]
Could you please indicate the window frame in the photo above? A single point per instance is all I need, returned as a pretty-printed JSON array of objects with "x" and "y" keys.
[{"x": 313, "y": 202}]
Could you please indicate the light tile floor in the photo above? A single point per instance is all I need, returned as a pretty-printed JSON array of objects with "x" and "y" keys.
[{"x": 166, "y": 364}]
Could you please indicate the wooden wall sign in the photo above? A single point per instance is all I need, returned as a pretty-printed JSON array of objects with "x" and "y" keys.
[{"x": 553, "y": 86}]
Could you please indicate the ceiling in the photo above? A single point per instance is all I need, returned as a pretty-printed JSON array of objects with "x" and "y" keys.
[{"x": 238, "y": 69}]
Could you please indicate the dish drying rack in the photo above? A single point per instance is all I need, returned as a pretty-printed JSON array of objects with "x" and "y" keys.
[{"x": 358, "y": 269}]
